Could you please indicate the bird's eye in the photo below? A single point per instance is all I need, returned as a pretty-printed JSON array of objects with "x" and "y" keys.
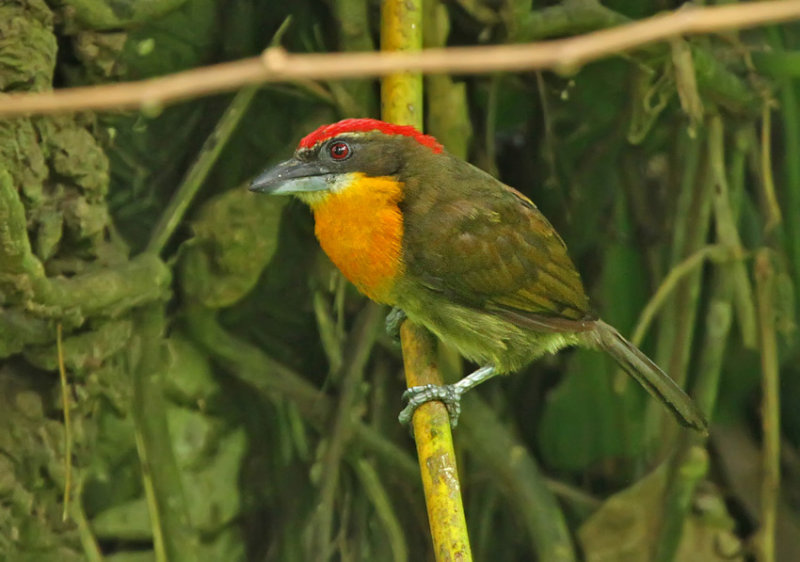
[{"x": 339, "y": 150}]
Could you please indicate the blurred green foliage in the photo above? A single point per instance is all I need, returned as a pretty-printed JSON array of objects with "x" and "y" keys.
[{"x": 204, "y": 381}]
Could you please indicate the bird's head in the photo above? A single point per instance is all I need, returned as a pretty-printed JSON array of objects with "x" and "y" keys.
[{"x": 334, "y": 157}]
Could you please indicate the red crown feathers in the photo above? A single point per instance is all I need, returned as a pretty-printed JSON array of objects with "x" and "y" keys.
[{"x": 365, "y": 125}]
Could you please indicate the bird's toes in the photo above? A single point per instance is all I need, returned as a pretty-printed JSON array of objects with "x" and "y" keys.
[{"x": 416, "y": 396}]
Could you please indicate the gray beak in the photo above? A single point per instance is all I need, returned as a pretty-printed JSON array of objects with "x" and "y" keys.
[{"x": 292, "y": 177}]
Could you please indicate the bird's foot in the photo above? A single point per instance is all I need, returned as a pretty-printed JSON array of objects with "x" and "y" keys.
[
  {"x": 416, "y": 396},
  {"x": 450, "y": 394},
  {"x": 394, "y": 320}
]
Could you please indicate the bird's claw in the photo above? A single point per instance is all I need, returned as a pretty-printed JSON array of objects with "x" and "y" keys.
[
  {"x": 416, "y": 396},
  {"x": 394, "y": 320}
]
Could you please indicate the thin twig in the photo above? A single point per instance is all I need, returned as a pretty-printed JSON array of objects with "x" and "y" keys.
[
  {"x": 174, "y": 538},
  {"x": 376, "y": 492},
  {"x": 197, "y": 174},
  {"x": 727, "y": 233},
  {"x": 790, "y": 176},
  {"x": 677, "y": 325},
  {"x": 688, "y": 467},
  {"x": 359, "y": 346},
  {"x": 91, "y": 549},
  {"x": 206, "y": 158},
  {"x": 62, "y": 372},
  {"x": 668, "y": 287},
  {"x": 768, "y": 184},
  {"x": 276, "y": 65},
  {"x": 689, "y": 464},
  {"x": 572, "y": 495},
  {"x": 329, "y": 334},
  {"x": 770, "y": 405},
  {"x": 715, "y": 252}
]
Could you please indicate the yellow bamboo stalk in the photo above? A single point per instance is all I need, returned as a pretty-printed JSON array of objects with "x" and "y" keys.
[
  {"x": 401, "y": 92},
  {"x": 437, "y": 458},
  {"x": 401, "y": 102}
]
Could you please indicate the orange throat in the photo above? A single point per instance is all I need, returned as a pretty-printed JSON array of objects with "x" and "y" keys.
[{"x": 360, "y": 227}]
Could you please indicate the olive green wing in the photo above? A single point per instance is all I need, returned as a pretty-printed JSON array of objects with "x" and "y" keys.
[{"x": 488, "y": 246}]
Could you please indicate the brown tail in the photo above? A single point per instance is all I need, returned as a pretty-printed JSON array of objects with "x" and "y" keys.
[{"x": 648, "y": 374}]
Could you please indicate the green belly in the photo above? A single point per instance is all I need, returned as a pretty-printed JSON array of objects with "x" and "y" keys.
[{"x": 483, "y": 337}]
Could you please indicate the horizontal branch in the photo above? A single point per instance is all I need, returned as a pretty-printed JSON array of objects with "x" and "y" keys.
[{"x": 276, "y": 65}]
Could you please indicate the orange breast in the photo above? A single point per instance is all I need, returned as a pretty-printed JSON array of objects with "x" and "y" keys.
[{"x": 360, "y": 227}]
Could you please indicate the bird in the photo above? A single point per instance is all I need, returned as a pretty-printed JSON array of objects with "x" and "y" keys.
[{"x": 455, "y": 250}]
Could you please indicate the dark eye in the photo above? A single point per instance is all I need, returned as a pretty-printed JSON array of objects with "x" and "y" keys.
[{"x": 339, "y": 150}]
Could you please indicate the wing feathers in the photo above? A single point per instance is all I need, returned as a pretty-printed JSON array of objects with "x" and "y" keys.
[{"x": 486, "y": 245}]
